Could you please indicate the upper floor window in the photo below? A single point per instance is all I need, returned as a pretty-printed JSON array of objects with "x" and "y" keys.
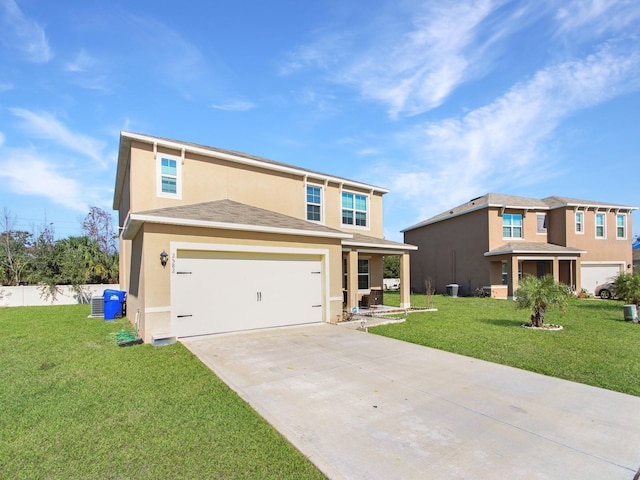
[
  {"x": 579, "y": 222},
  {"x": 600, "y": 226},
  {"x": 621, "y": 226},
  {"x": 542, "y": 223},
  {"x": 512, "y": 225},
  {"x": 168, "y": 176},
  {"x": 314, "y": 203},
  {"x": 354, "y": 209}
]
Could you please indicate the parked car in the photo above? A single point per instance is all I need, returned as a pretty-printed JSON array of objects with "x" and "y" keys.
[{"x": 604, "y": 291}]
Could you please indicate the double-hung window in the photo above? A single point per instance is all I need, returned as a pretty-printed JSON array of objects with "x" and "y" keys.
[
  {"x": 354, "y": 209},
  {"x": 512, "y": 225},
  {"x": 314, "y": 203},
  {"x": 363, "y": 274},
  {"x": 601, "y": 231},
  {"x": 621, "y": 226},
  {"x": 579, "y": 222},
  {"x": 542, "y": 223},
  {"x": 169, "y": 184}
]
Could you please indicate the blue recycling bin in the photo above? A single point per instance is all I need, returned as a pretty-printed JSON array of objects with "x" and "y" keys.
[{"x": 114, "y": 304}]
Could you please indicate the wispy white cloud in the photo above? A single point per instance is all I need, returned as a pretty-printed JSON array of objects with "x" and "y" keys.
[
  {"x": 24, "y": 172},
  {"x": 84, "y": 69},
  {"x": 414, "y": 68},
  {"x": 21, "y": 33},
  {"x": 365, "y": 152},
  {"x": 504, "y": 142},
  {"x": 6, "y": 86},
  {"x": 1, "y": 139},
  {"x": 235, "y": 106},
  {"x": 44, "y": 125},
  {"x": 598, "y": 16},
  {"x": 81, "y": 62}
]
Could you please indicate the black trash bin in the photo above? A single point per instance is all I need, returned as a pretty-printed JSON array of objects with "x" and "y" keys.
[{"x": 114, "y": 304}]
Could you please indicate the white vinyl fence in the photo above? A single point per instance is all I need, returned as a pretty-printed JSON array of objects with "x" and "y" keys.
[{"x": 31, "y": 295}]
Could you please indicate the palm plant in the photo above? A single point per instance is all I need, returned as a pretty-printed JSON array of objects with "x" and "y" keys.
[{"x": 539, "y": 294}]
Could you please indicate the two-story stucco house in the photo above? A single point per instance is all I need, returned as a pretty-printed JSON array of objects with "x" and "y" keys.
[
  {"x": 492, "y": 241},
  {"x": 216, "y": 241}
]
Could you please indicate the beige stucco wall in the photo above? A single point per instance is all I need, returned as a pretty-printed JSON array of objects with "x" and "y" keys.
[
  {"x": 529, "y": 227},
  {"x": 597, "y": 249},
  {"x": 451, "y": 251},
  {"x": 207, "y": 179},
  {"x": 153, "y": 299}
]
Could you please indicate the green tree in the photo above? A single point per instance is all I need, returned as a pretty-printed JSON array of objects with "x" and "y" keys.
[
  {"x": 72, "y": 261},
  {"x": 627, "y": 287},
  {"x": 391, "y": 266},
  {"x": 540, "y": 294}
]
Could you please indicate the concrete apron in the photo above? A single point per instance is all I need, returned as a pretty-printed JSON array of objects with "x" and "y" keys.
[{"x": 361, "y": 406}]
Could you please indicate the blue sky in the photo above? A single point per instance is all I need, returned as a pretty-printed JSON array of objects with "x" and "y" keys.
[{"x": 438, "y": 101}]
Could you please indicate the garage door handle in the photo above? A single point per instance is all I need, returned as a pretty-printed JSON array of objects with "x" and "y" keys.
[
  {"x": 183, "y": 316},
  {"x": 183, "y": 273},
  {"x": 315, "y": 306}
]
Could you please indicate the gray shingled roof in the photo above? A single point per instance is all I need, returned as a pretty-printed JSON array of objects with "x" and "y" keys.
[
  {"x": 512, "y": 201},
  {"x": 556, "y": 201},
  {"x": 236, "y": 213},
  {"x": 533, "y": 247},
  {"x": 489, "y": 199}
]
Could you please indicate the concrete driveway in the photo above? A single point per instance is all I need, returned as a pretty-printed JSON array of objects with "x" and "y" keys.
[{"x": 361, "y": 406}]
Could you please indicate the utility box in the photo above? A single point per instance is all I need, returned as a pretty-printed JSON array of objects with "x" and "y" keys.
[
  {"x": 630, "y": 313},
  {"x": 452, "y": 289},
  {"x": 114, "y": 304}
]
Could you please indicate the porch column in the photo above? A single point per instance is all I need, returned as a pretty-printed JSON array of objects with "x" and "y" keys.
[
  {"x": 405, "y": 281},
  {"x": 578, "y": 278},
  {"x": 556, "y": 269},
  {"x": 513, "y": 277},
  {"x": 352, "y": 279}
]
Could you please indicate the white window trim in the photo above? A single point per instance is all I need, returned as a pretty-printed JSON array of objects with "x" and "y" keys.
[
  {"x": 575, "y": 223},
  {"x": 604, "y": 225},
  {"x": 159, "y": 192},
  {"x": 624, "y": 215},
  {"x": 368, "y": 217},
  {"x": 322, "y": 192},
  {"x": 521, "y": 227}
]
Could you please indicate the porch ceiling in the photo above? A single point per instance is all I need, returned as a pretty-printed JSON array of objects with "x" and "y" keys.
[
  {"x": 532, "y": 248},
  {"x": 364, "y": 241}
]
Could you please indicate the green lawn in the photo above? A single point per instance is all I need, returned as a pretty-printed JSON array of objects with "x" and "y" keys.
[
  {"x": 597, "y": 347},
  {"x": 74, "y": 405}
]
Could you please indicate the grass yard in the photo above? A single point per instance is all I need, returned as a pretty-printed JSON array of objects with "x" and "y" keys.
[
  {"x": 597, "y": 347},
  {"x": 74, "y": 405}
]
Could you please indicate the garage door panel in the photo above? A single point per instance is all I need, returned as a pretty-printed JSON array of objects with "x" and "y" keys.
[
  {"x": 215, "y": 295},
  {"x": 593, "y": 275}
]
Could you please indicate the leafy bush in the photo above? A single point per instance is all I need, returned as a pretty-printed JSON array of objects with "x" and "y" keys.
[{"x": 627, "y": 287}]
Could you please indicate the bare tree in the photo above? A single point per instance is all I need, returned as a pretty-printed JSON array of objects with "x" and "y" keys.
[
  {"x": 14, "y": 246},
  {"x": 98, "y": 226}
]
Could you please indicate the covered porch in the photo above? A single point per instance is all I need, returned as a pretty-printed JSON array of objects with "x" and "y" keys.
[
  {"x": 363, "y": 272},
  {"x": 509, "y": 263}
]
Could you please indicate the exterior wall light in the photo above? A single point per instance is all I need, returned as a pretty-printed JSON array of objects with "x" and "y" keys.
[{"x": 164, "y": 256}]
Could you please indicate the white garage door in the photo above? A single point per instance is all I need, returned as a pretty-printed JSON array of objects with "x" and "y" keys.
[
  {"x": 592, "y": 275},
  {"x": 215, "y": 292}
]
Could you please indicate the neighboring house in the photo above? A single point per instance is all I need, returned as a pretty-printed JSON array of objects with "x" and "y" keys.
[
  {"x": 636, "y": 257},
  {"x": 490, "y": 242},
  {"x": 247, "y": 242}
]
